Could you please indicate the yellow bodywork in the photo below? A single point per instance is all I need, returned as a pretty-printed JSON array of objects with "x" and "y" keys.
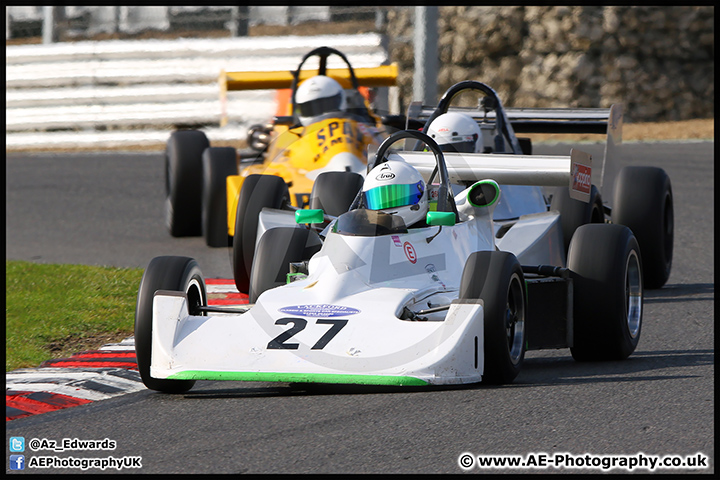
[
  {"x": 298, "y": 151},
  {"x": 293, "y": 152}
]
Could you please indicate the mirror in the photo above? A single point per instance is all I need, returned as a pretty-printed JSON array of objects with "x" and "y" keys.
[
  {"x": 309, "y": 216},
  {"x": 440, "y": 218}
]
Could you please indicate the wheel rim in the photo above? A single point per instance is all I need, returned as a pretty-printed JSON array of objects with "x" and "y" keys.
[
  {"x": 195, "y": 297},
  {"x": 515, "y": 319},
  {"x": 633, "y": 294}
]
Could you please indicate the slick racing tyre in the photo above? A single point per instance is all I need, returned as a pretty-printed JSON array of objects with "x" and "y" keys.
[
  {"x": 183, "y": 182},
  {"x": 180, "y": 274},
  {"x": 218, "y": 164},
  {"x": 278, "y": 247},
  {"x": 643, "y": 201},
  {"x": 574, "y": 213},
  {"x": 333, "y": 192},
  {"x": 256, "y": 193},
  {"x": 497, "y": 279},
  {"x": 608, "y": 292}
]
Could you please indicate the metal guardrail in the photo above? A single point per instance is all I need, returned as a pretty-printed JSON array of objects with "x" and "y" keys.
[{"x": 116, "y": 93}]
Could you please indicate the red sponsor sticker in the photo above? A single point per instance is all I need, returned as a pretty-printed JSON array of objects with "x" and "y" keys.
[
  {"x": 410, "y": 252},
  {"x": 581, "y": 178}
]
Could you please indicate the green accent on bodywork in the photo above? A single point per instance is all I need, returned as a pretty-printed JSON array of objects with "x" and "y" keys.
[
  {"x": 299, "y": 378},
  {"x": 440, "y": 218},
  {"x": 314, "y": 215},
  {"x": 480, "y": 184},
  {"x": 294, "y": 277}
]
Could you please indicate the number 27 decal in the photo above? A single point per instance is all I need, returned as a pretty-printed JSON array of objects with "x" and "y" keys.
[{"x": 299, "y": 324}]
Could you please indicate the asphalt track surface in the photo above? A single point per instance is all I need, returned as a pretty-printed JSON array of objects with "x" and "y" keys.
[{"x": 106, "y": 209}]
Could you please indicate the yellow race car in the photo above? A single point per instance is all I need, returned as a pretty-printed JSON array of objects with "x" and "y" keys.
[{"x": 325, "y": 124}]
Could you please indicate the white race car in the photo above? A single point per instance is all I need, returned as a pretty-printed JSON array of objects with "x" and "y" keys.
[{"x": 454, "y": 298}]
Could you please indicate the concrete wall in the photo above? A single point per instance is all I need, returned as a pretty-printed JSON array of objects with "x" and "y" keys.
[{"x": 658, "y": 61}]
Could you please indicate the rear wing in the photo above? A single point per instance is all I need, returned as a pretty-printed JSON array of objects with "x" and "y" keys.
[
  {"x": 370, "y": 77},
  {"x": 573, "y": 171},
  {"x": 601, "y": 121},
  {"x": 540, "y": 120},
  {"x": 382, "y": 76}
]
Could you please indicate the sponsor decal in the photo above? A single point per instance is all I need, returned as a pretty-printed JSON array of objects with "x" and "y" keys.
[
  {"x": 410, "y": 252},
  {"x": 385, "y": 176},
  {"x": 319, "y": 310},
  {"x": 581, "y": 178},
  {"x": 396, "y": 241}
]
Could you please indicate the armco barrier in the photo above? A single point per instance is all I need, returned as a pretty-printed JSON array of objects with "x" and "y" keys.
[{"x": 134, "y": 92}]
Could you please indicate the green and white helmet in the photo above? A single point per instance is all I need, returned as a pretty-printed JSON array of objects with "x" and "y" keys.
[
  {"x": 397, "y": 188},
  {"x": 456, "y": 132}
]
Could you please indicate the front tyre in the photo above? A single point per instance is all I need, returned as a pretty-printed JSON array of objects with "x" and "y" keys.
[
  {"x": 608, "y": 292},
  {"x": 276, "y": 249},
  {"x": 256, "y": 193},
  {"x": 165, "y": 273},
  {"x": 497, "y": 279}
]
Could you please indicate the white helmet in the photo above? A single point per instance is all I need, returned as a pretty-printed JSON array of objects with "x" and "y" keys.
[
  {"x": 397, "y": 188},
  {"x": 456, "y": 132},
  {"x": 318, "y": 95}
]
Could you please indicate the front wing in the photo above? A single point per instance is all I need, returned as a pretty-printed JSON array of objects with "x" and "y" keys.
[{"x": 355, "y": 344}]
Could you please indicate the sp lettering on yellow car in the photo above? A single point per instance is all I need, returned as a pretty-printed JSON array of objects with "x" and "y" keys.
[{"x": 324, "y": 122}]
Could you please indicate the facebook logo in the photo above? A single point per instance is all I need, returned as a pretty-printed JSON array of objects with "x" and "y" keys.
[
  {"x": 17, "y": 444},
  {"x": 17, "y": 462}
]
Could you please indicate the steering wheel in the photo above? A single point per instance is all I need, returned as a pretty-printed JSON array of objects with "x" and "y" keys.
[
  {"x": 446, "y": 202},
  {"x": 323, "y": 53}
]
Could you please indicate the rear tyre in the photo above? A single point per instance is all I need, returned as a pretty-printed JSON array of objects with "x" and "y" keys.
[
  {"x": 333, "y": 192},
  {"x": 276, "y": 249},
  {"x": 183, "y": 182},
  {"x": 608, "y": 292},
  {"x": 218, "y": 164},
  {"x": 256, "y": 193},
  {"x": 497, "y": 279},
  {"x": 643, "y": 202},
  {"x": 165, "y": 273},
  {"x": 574, "y": 213}
]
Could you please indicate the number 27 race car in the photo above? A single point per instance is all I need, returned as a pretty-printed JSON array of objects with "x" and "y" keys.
[{"x": 454, "y": 296}]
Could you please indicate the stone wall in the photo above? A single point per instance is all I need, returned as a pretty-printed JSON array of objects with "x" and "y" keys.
[{"x": 657, "y": 61}]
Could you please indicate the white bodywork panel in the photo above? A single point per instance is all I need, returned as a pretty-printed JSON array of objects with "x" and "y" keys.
[
  {"x": 343, "y": 322},
  {"x": 366, "y": 281}
]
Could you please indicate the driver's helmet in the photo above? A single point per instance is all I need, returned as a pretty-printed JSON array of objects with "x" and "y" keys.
[
  {"x": 397, "y": 188},
  {"x": 456, "y": 132},
  {"x": 318, "y": 95}
]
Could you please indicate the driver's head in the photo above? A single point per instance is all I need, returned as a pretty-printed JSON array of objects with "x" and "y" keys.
[
  {"x": 456, "y": 132},
  {"x": 397, "y": 188},
  {"x": 318, "y": 95}
]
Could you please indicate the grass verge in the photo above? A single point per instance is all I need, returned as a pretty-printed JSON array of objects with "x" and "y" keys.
[{"x": 53, "y": 311}]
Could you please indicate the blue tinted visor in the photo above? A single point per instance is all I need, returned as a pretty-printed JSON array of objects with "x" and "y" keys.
[{"x": 390, "y": 196}]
